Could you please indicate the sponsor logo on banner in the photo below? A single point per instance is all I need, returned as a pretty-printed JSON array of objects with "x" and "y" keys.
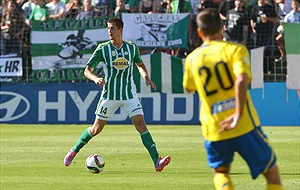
[
  {"x": 14, "y": 106},
  {"x": 10, "y": 66}
]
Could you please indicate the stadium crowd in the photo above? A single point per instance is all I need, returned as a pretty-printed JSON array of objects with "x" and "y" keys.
[{"x": 254, "y": 23}]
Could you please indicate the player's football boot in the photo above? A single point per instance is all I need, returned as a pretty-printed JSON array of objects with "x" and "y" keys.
[
  {"x": 161, "y": 163},
  {"x": 69, "y": 157}
]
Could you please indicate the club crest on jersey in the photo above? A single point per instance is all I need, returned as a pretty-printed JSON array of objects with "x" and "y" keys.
[{"x": 120, "y": 63}]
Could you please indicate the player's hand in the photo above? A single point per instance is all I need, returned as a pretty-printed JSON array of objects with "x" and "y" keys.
[
  {"x": 151, "y": 83},
  {"x": 100, "y": 82},
  {"x": 229, "y": 123}
]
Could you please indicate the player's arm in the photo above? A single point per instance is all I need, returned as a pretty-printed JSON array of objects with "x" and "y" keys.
[
  {"x": 188, "y": 82},
  {"x": 88, "y": 72},
  {"x": 144, "y": 73},
  {"x": 241, "y": 86}
]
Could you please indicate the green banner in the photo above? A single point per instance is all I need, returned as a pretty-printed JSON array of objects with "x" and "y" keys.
[{"x": 61, "y": 48}]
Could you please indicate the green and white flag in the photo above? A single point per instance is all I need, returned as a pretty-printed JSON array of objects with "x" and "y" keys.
[
  {"x": 156, "y": 30},
  {"x": 292, "y": 46},
  {"x": 61, "y": 48},
  {"x": 165, "y": 70}
]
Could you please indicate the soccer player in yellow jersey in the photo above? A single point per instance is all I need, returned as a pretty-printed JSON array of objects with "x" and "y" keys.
[{"x": 220, "y": 72}]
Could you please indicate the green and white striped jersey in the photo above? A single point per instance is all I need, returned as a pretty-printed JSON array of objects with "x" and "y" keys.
[{"x": 118, "y": 69}]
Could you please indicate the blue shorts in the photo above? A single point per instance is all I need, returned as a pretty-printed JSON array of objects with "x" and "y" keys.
[{"x": 253, "y": 147}]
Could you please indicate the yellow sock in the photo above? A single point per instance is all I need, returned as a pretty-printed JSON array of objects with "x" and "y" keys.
[
  {"x": 223, "y": 182},
  {"x": 274, "y": 187}
]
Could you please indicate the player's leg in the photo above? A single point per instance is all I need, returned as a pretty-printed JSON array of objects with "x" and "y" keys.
[
  {"x": 85, "y": 137},
  {"x": 134, "y": 110},
  {"x": 89, "y": 133},
  {"x": 220, "y": 155},
  {"x": 140, "y": 125},
  {"x": 255, "y": 149},
  {"x": 222, "y": 179},
  {"x": 105, "y": 110},
  {"x": 273, "y": 178}
]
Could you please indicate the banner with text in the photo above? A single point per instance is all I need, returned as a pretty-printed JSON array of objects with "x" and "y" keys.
[
  {"x": 54, "y": 103},
  {"x": 60, "y": 48},
  {"x": 75, "y": 103},
  {"x": 156, "y": 30},
  {"x": 11, "y": 69}
]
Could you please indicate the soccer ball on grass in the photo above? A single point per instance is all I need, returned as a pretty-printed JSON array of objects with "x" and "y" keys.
[{"x": 94, "y": 163}]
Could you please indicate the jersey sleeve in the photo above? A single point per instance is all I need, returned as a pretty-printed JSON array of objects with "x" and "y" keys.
[
  {"x": 188, "y": 79},
  {"x": 96, "y": 57},
  {"x": 137, "y": 57},
  {"x": 241, "y": 62}
]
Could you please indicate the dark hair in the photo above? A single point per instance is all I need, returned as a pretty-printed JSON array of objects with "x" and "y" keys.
[
  {"x": 209, "y": 21},
  {"x": 117, "y": 21}
]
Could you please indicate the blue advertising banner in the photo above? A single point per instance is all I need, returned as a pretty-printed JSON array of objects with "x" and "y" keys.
[{"x": 75, "y": 103}]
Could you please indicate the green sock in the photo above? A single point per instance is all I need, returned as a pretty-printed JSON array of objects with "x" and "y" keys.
[
  {"x": 150, "y": 145},
  {"x": 83, "y": 140}
]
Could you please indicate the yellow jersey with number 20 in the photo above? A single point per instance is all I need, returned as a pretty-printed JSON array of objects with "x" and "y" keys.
[{"x": 211, "y": 70}]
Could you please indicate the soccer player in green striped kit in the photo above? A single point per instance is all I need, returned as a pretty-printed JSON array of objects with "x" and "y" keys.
[{"x": 118, "y": 58}]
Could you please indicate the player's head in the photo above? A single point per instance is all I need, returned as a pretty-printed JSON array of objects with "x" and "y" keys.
[
  {"x": 115, "y": 28},
  {"x": 117, "y": 22},
  {"x": 209, "y": 22}
]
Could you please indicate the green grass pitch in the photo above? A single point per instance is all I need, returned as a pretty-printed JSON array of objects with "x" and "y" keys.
[{"x": 31, "y": 158}]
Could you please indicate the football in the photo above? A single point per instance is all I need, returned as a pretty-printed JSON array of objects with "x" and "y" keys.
[{"x": 94, "y": 163}]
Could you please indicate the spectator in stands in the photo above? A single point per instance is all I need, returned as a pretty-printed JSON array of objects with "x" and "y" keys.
[
  {"x": 120, "y": 8},
  {"x": 166, "y": 6},
  {"x": 19, "y": 4},
  {"x": 195, "y": 41},
  {"x": 132, "y": 5},
  {"x": 281, "y": 9},
  {"x": 294, "y": 15},
  {"x": 13, "y": 27},
  {"x": 225, "y": 6},
  {"x": 284, "y": 7},
  {"x": 237, "y": 23},
  {"x": 88, "y": 11},
  {"x": 28, "y": 7},
  {"x": 262, "y": 20},
  {"x": 56, "y": 9},
  {"x": 40, "y": 11},
  {"x": 181, "y": 6},
  {"x": 3, "y": 6},
  {"x": 105, "y": 6},
  {"x": 73, "y": 7},
  {"x": 210, "y": 4},
  {"x": 146, "y": 6}
]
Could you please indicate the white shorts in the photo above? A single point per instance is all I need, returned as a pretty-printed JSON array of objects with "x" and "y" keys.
[{"x": 107, "y": 108}]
